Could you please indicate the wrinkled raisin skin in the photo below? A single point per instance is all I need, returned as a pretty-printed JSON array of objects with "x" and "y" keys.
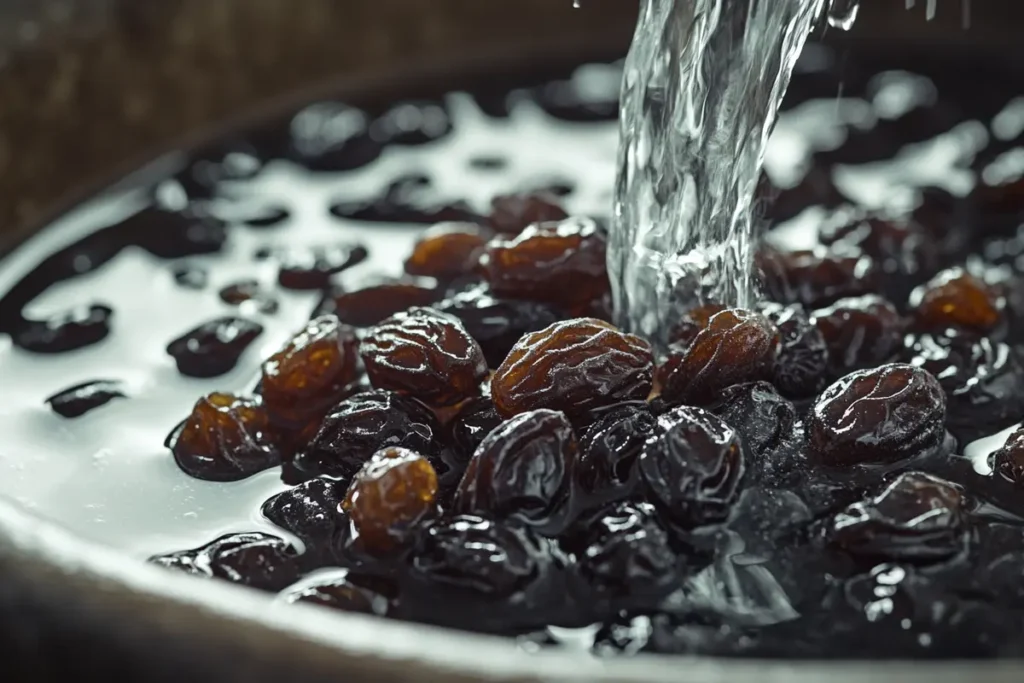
[
  {"x": 736, "y": 346},
  {"x": 764, "y": 419},
  {"x": 213, "y": 348},
  {"x": 447, "y": 251},
  {"x": 393, "y": 492},
  {"x": 255, "y": 559},
  {"x": 815, "y": 277},
  {"x": 800, "y": 369},
  {"x": 226, "y": 438},
  {"x": 878, "y": 416},
  {"x": 574, "y": 366},
  {"x": 956, "y": 299},
  {"x": 426, "y": 354},
  {"x": 860, "y": 332},
  {"x": 311, "y": 512},
  {"x": 609, "y": 450},
  {"x": 374, "y": 302}
]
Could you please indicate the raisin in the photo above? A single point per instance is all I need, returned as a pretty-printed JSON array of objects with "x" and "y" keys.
[
  {"x": 225, "y": 438},
  {"x": 266, "y": 216},
  {"x": 331, "y": 136},
  {"x": 815, "y": 188},
  {"x": 1001, "y": 198},
  {"x": 878, "y": 416},
  {"x": 313, "y": 267},
  {"x": 376, "y": 301},
  {"x": 609, "y": 450},
  {"x": 512, "y": 213},
  {"x": 692, "y": 467},
  {"x": 411, "y": 124},
  {"x": 190, "y": 276},
  {"x": 736, "y": 346},
  {"x": 917, "y": 518},
  {"x": 574, "y": 366},
  {"x": 363, "y": 424},
  {"x": 395, "y": 490},
  {"x": 521, "y": 470},
  {"x": 68, "y": 331},
  {"x": 693, "y": 321},
  {"x": 311, "y": 512},
  {"x": 407, "y": 199},
  {"x": 78, "y": 400},
  {"x": 311, "y": 373},
  {"x": 814, "y": 277},
  {"x": 983, "y": 381},
  {"x": 213, "y": 348},
  {"x": 476, "y": 419},
  {"x": 956, "y": 299},
  {"x": 340, "y": 594},
  {"x": 497, "y": 323},
  {"x": 800, "y": 369},
  {"x": 248, "y": 295},
  {"x": 764, "y": 419},
  {"x": 252, "y": 559},
  {"x": 860, "y": 332},
  {"x": 424, "y": 353},
  {"x": 447, "y": 251},
  {"x": 1008, "y": 460},
  {"x": 558, "y": 263}
]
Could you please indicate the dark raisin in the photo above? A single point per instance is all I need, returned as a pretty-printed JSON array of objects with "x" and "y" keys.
[
  {"x": 447, "y": 251},
  {"x": 78, "y": 400},
  {"x": 373, "y": 302},
  {"x": 800, "y": 369},
  {"x": 692, "y": 467},
  {"x": 497, "y": 323},
  {"x": 917, "y": 518},
  {"x": 983, "y": 381},
  {"x": 67, "y": 331},
  {"x": 1000, "y": 198},
  {"x": 512, "y": 213},
  {"x": 312, "y": 267},
  {"x": 247, "y": 294},
  {"x": 363, "y": 424},
  {"x": 426, "y": 354},
  {"x": 412, "y": 123},
  {"x": 609, "y": 450},
  {"x": 252, "y": 559},
  {"x": 311, "y": 373},
  {"x": 266, "y": 216},
  {"x": 1008, "y": 460},
  {"x": 764, "y": 419},
  {"x": 860, "y": 332},
  {"x": 476, "y": 419},
  {"x": 190, "y": 276},
  {"x": 521, "y": 470},
  {"x": 878, "y": 416},
  {"x": 311, "y": 512},
  {"x": 407, "y": 199},
  {"x": 574, "y": 366},
  {"x": 693, "y": 321},
  {"x": 331, "y": 136},
  {"x": 956, "y": 299},
  {"x": 816, "y": 188},
  {"x": 814, "y": 277},
  {"x": 736, "y": 346},
  {"x": 338, "y": 593},
  {"x": 225, "y": 438},
  {"x": 213, "y": 348},
  {"x": 395, "y": 490},
  {"x": 559, "y": 263}
]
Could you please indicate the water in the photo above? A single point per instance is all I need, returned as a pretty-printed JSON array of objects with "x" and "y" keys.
[{"x": 701, "y": 91}]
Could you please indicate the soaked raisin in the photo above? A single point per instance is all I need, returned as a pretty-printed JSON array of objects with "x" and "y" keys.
[
  {"x": 956, "y": 299},
  {"x": 311, "y": 373},
  {"x": 860, "y": 332},
  {"x": 693, "y": 321},
  {"x": 692, "y": 467},
  {"x": 395, "y": 490},
  {"x": 476, "y": 419},
  {"x": 736, "y": 346},
  {"x": 497, "y": 323},
  {"x": 512, "y": 213},
  {"x": 800, "y": 369},
  {"x": 1008, "y": 460},
  {"x": 815, "y": 188},
  {"x": 521, "y": 470},
  {"x": 764, "y": 419},
  {"x": 254, "y": 559},
  {"x": 375, "y": 301},
  {"x": 311, "y": 512},
  {"x": 559, "y": 263},
  {"x": 983, "y": 381},
  {"x": 78, "y": 400},
  {"x": 213, "y": 348},
  {"x": 266, "y": 216},
  {"x": 447, "y": 251},
  {"x": 574, "y": 366},
  {"x": 814, "y": 277},
  {"x": 363, "y": 424},
  {"x": 340, "y": 594},
  {"x": 412, "y": 123},
  {"x": 68, "y": 331},
  {"x": 248, "y": 295},
  {"x": 331, "y": 136},
  {"x": 878, "y": 416},
  {"x": 609, "y": 450},
  {"x": 313, "y": 267},
  {"x": 426, "y": 354},
  {"x": 225, "y": 438},
  {"x": 407, "y": 199},
  {"x": 917, "y": 518}
]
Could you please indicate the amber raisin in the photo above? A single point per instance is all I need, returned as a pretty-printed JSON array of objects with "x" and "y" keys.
[
  {"x": 447, "y": 250},
  {"x": 878, "y": 416},
  {"x": 340, "y": 594},
  {"x": 1008, "y": 460},
  {"x": 917, "y": 518},
  {"x": 393, "y": 492},
  {"x": 213, "y": 348},
  {"x": 609, "y": 449},
  {"x": 692, "y": 467},
  {"x": 686, "y": 330},
  {"x": 226, "y": 438},
  {"x": 253, "y": 559},
  {"x": 559, "y": 263},
  {"x": 311, "y": 512},
  {"x": 956, "y": 299},
  {"x": 521, "y": 470},
  {"x": 78, "y": 400},
  {"x": 475, "y": 420},
  {"x": 736, "y": 346},
  {"x": 247, "y": 294},
  {"x": 574, "y": 366},
  {"x": 860, "y": 332},
  {"x": 311, "y": 373},
  {"x": 426, "y": 354},
  {"x": 814, "y": 277},
  {"x": 375, "y": 301},
  {"x": 363, "y": 424},
  {"x": 512, "y": 213},
  {"x": 800, "y": 370}
]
